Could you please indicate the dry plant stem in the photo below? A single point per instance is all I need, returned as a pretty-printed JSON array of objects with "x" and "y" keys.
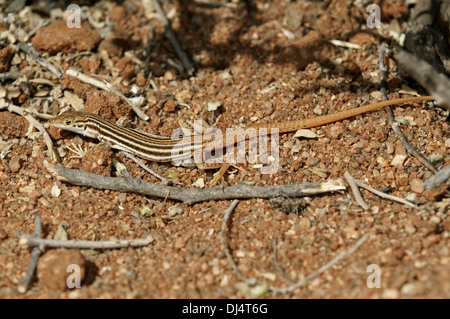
[
  {"x": 84, "y": 244},
  {"x": 107, "y": 87},
  {"x": 31, "y": 51},
  {"x": 190, "y": 195},
  {"x": 215, "y": 4},
  {"x": 148, "y": 50},
  {"x": 23, "y": 112},
  {"x": 10, "y": 75},
  {"x": 142, "y": 165},
  {"x": 173, "y": 40},
  {"x": 275, "y": 258},
  {"x": 325, "y": 267},
  {"x": 41, "y": 115},
  {"x": 384, "y": 195},
  {"x": 296, "y": 285},
  {"x": 437, "y": 84},
  {"x": 355, "y": 190},
  {"x": 392, "y": 122},
  {"x": 35, "y": 254},
  {"x": 224, "y": 242},
  {"x": 438, "y": 179}
]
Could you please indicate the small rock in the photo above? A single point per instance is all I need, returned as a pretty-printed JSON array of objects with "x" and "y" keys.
[
  {"x": 6, "y": 55},
  {"x": 52, "y": 268},
  {"x": 447, "y": 143},
  {"x": 296, "y": 148},
  {"x": 15, "y": 163},
  {"x": 417, "y": 185},
  {"x": 398, "y": 160},
  {"x": 390, "y": 293},
  {"x": 200, "y": 183},
  {"x": 305, "y": 133},
  {"x": 376, "y": 95},
  {"x": 410, "y": 229},
  {"x": 57, "y": 37},
  {"x": 336, "y": 131},
  {"x": 435, "y": 220},
  {"x": 183, "y": 96},
  {"x": 174, "y": 211},
  {"x": 140, "y": 79},
  {"x": 409, "y": 288},
  {"x": 389, "y": 148},
  {"x": 212, "y": 106},
  {"x": 61, "y": 233},
  {"x": 318, "y": 110},
  {"x": 56, "y": 191},
  {"x": 170, "y": 105}
]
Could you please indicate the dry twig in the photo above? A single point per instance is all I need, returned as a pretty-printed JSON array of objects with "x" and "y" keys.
[
  {"x": 441, "y": 177},
  {"x": 83, "y": 244},
  {"x": 107, "y": 87},
  {"x": 173, "y": 40},
  {"x": 383, "y": 195},
  {"x": 10, "y": 75},
  {"x": 325, "y": 267},
  {"x": 24, "y": 112},
  {"x": 31, "y": 51},
  {"x": 146, "y": 168},
  {"x": 35, "y": 254},
  {"x": 224, "y": 242},
  {"x": 190, "y": 195},
  {"x": 392, "y": 122},
  {"x": 354, "y": 187},
  {"x": 437, "y": 84},
  {"x": 275, "y": 258},
  {"x": 296, "y": 285},
  {"x": 148, "y": 50}
]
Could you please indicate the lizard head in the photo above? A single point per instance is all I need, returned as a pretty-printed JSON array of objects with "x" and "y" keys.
[{"x": 73, "y": 121}]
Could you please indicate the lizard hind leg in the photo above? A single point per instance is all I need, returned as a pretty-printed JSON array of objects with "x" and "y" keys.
[{"x": 202, "y": 128}]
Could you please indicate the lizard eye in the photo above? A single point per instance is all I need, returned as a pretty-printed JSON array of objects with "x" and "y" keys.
[{"x": 67, "y": 122}]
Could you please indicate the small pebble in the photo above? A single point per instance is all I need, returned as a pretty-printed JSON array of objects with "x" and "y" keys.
[
  {"x": 15, "y": 163},
  {"x": 417, "y": 185}
]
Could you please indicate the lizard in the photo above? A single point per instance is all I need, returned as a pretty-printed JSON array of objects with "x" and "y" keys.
[{"x": 165, "y": 149}]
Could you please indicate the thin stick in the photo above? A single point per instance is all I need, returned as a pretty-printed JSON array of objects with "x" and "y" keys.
[
  {"x": 298, "y": 284},
  {"x": 190, "y": 195},
  {"x": 438, "y": 179},
  {"x": 173, "y": 40},
  {"x": 10, "y": 75},
  {"x": 23, "y": 112},
  {"x": 355, "y": 190},
  {"x": 148, "y": 50},
  {"x": 35, "y": 254},
  {"x": 325, "y": 267},
  {"x": 384, "y": 195},
  {"x": 145, "y": 167},
  {"x": 275, "y": 258},
  {"x": 32, "y": 52},
  {"x": 78, "y": 54},
  {"x": 107, "y": 87},
  {"x": 83, "y": 244},
  {"x": 216, "y": 4},
  {"x": 226, "y": 249},
  {"x": 437, "y": 84},
  {"x": 392, "y": 122}
]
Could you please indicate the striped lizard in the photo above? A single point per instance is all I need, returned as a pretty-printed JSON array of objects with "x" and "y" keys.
[{"x": 165, "y": 149}]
